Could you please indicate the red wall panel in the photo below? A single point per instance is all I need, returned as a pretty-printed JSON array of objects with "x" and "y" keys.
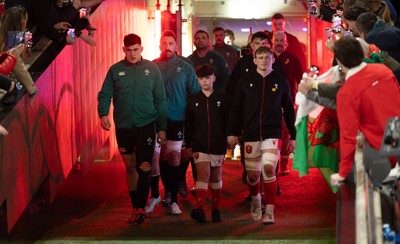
[{"x": 45, "y": 139}]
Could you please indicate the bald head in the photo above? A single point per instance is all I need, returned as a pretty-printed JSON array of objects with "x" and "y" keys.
[{"x": 279, "y": 42}]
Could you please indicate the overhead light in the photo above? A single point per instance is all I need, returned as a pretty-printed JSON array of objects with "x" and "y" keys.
[
  {"x": 269, "y": 23},
  {"x": 304, "y": 29},
  {"x": 245, "y": 30}
]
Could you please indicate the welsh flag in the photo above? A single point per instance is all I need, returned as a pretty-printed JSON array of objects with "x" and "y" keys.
[{"x": 317, "y": 140}]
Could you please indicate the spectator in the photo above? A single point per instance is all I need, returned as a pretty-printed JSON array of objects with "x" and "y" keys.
[
  {"x": 375, "y": 31},
  {"x": 366, "y": 91},
  {"x": 15, "y": 19}
]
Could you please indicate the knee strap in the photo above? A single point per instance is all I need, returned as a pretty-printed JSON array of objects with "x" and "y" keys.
[
  {"x": 216, "y": 185},
  {"x": 268, "y": 159}
]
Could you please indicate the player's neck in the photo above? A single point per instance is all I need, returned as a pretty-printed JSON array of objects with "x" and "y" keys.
[{"x": 208, "y": 92}]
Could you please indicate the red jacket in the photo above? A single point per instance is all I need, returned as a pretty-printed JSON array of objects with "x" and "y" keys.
[
  {"x": 7, "y": 63},
  {"x": 365, "y": 102}
]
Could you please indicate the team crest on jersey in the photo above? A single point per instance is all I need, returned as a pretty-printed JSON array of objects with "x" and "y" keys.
[
  {"x": 247, "y": 70},
  {"x": 121, "y": 73},
  {"x": 274, "y": 142},
  {"x": 196, "y": 104},
  {"x": 196, "y": 155},
  {"x": 211, "y": 61},
  {"x": 179, "y": 134},
  {"x": 178, "y": 69},
  {"x": 219, "y": 104},
  {"x": 249, "y": 149},
  {"x": 275, "y": 88},
  {"x": 149, "y": 141},
  {"x": 287, "y": 61},
  {"x": 228, "y": 54},
  {"x": 251, "y": 84},
  {"x": 146, "y": 72}
]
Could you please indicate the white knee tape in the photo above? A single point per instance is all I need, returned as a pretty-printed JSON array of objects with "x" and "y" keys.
[
  {"x": 268, "y": 159},
  {"x": 253, "y": 164},
  {"x": 201, "y": 185},
  {"x": 216, "y": 185},
  {"x": 174, "y": 146}
]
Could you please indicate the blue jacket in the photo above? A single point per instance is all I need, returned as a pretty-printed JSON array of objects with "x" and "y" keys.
[{"x": 180, "y": 82}]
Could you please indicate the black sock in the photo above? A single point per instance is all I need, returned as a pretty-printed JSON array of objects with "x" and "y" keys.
[
  {"x": 164, "y": 174},
  {"x": 184, "y": 166},
  {"x": 134, "y": 197},
  {"x": 154, "y": 180},
  {"x": 173, "y": 174}
]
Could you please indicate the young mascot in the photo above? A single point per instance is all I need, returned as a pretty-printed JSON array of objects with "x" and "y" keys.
[{"x": 205, "y": 125}]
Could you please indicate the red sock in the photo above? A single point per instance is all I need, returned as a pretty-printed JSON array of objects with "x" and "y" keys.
[
  {"x": 216, "y": 196},
  {"x": 270, "y": 189},
  {"x": 255, "y": 189},
  {"x": 201, "y": 196}
]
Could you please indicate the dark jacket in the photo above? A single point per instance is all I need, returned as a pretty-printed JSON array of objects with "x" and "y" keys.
[
  {"x": 205, "y": 123},
  {"x": 386, "y": 37},
  {"x": 215, "y": 59},
  {"x": 244, "y": 66},
  {"x": 258, "y": 105}
]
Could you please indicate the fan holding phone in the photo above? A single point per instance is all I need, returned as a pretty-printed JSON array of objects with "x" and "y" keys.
[{"x": 12, "y": 29}]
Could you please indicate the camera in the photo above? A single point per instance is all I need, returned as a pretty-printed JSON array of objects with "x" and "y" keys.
[
  {"x": 329, "y": 33},
  {"x": 313, "y": 8}
]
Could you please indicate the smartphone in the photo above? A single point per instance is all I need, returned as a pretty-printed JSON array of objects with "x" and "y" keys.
[
  {"x": 14, "y": 38},
  {"x": 336, "y": 23},
  {"x": 82, "y": 12},
  {"x": 348, "y": 32},
  {"x": 28, "y": 39},
  {"x": 312, "y": 7},
  {"x": 71, "y": 32}
]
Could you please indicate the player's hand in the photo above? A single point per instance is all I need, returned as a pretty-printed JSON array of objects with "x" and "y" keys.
[
  {"x": 232, "y": 140},
  {"x": 162, "y": 137},
  {"x": 105, "y": 123},
  {"x": 336, "y": 179},
  {"x": 291, "y": 146},
  {"x": 3, "y": 131}
]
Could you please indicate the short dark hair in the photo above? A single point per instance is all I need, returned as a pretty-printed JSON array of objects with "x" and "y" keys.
[
  {"x": 168, "y": 33},
  {"x": 262, "y": 49},
  {"x": 278, "y": 16},
  {"x": 132, "y": 39},
  {"x": 218, "y": 29},
  {"x": 201, "y": 31},
  {"x": 229, "y": 32},
  {"x": 259, "y": 34},
  {"x": 204, "y": 70},
  {"x": 348, "y": 51},
  {"x": 355, "y": 11},
  {"x": 366, "y": 21}
]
